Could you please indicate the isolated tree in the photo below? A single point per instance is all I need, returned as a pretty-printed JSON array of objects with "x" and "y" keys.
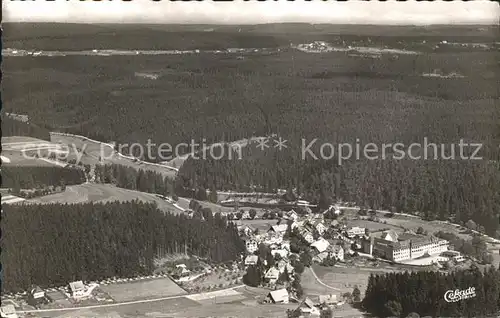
[
  {"x": 326, "y": 313},
  {"x": 252, "y": 276},
  {"x": 212, "y": 196},
  {"x": 393, "y": 308},
  {"x": 487, "y": 258},
  {"x": 252, "y": 213},
  {"x": 305, "y": 258},
  {"x": 356, "y": 294},
  {"x": 420, "y": 230},
  {"x": 284, "y": 277},
  {"x": 298, "y": 267},
  {"x": 471, "y": 225}
]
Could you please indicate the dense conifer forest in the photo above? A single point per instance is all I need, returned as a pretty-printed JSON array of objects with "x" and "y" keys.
[
  {"x": 134, "y": 179},
  {"x": 398, "y": 294},
  {"x": 13, "y": 127},
  {"x": 334, "y": 97},
  {"x": 436, "y": 189},
  {"x": 52, "y": 244},
  {"x": 28, "y": 177}
]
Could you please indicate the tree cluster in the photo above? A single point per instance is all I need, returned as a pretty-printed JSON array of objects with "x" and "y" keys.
[
  {"x": 53, "y": 244},
  {"x": 29, "y": 177},
  {"x": 134, "y": 179},
  {"x": 13, "y": 127},
  {"x": 398, "y": 294},
  {"x": 475, "y": 247}
]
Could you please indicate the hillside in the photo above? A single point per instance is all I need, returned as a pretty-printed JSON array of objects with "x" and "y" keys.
[{"x": 380, "y": 95}]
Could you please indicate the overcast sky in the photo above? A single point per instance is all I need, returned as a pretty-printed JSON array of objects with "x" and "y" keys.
[{"x": 253, "y": 12}]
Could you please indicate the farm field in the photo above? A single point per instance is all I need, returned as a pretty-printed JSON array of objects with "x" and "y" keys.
[
  {"x": 230, "y": 303},
  {"x": 14, "y": 147},
  {"x": 144, "y": 289},
  {"x": 219, "y": 279},
  {"x": 343, "y": 279},
  {"x": 136, "y": 310},
  {"x": 98, "y": 150},
  {"x": 103, "y": 193}
]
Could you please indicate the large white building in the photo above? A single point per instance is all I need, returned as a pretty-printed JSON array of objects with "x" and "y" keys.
[
  {"x": 407, "y": 246},
  {"x": 353, "y": 231}
]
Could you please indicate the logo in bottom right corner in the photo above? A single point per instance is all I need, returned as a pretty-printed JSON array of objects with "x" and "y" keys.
[{"x": 453, "y": 296}]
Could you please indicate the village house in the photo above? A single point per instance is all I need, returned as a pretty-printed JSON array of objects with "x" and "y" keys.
[
  {"x": 183, "y": 271},
  {"x": 246, "y": 230},
  {"x": 8, "y": 311},
  {"x": 281, "y": 252},
  {"x": 279, "y": 229},
  {"x": 279, "y": 296},
  {"x": 292, "y": 215},
  {"x": 328, "y": 299},
  {"x": 355, "y": 231},
  {"x": 297, "y": 224},
  {"x": 333, "y": 209},
  {"x": 245, "y": 215},
  {"x": 251, "y": 246},
  {"x": 273, "y": 239},
  {"x": 77, "y": 289},
  {"x": 307, "y": 308},
  {"x": 338, "y": 252},
  {"x": 319, "y": 226},
  {"x": 37, "y": 293},
  {"x": 272, "y": 275},
  {"x": 307, "y": 235},
  {"x": 319, "y": 258},
  {"x": 320, "y": 245},
  {"x": 282, "y": 265},
  {"x": 251, "y": 260},
  {"x": 36, "y": 296},
  {"x": 285, "y": 245},
  {"x": 334, "y": 223},
  {"x": 453, "y": 256}
]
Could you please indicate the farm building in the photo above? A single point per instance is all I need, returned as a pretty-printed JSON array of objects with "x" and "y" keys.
[
  {"x": 320, "y": 245},
  {"x": 251, "y": 260},
  {"x": 77, "y": 289},
  {"x": 328, "y": 299},
  {"x": 8, "y": 311},
  {"x": 307, "y": 307},
  {"x": 279, "y": 296}
]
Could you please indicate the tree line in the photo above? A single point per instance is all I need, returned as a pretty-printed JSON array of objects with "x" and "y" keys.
[
  {"x": 29, "y": 177},
  {"x": 13, "y": 127},
  {"x": 435, "y": 189},
  {"x": 133, "y": 179},
  {"x": 53, "y": 244},
  {"x": 399, "y": 294}
]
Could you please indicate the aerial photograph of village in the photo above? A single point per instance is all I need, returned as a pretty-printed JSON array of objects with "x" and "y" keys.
[{"x": 284, "y": 169}]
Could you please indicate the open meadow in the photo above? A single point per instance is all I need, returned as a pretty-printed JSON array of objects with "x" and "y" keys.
[
  {"x": 22, "y": 151},
  {"x": 143, "y": 289},
  {"x": 100, "y": 152},
  {"x": 102, "y": 193}
]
